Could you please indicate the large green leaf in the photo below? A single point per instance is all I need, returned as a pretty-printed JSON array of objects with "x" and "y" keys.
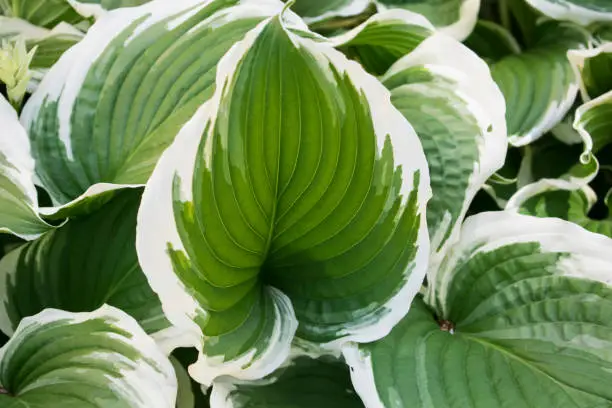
[
  {"x": 112, "y": 104},
  {"x": 89, "y": 261},
  {"x": 459, "y": 114},
  {"x": 580, "y": 11},
  {"x": 539, "y": 84},
  {"x": 561, "y": 199},
  {"x": 297, "y": 189},
  {"x": 58, "y": 359},
  {"x": 384, "y": 38},
  {"x": 519, "y": 315},
  {"x": 303, "y": 383},
  {"x": 453, "y": 17},
  {"x": 18, "y": 200},
  {"x": 42, "y": 13},
  {"x": 593, "y": 67}
]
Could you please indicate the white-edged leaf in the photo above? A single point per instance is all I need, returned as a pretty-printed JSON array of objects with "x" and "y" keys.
[
  {"x": 448, "y": 95},
  {"x": 18, "y": 198},
  {"x": 302, "y": 383},
  {"x": 539, "y": 84},
  {"x": 562, "y": 199},
  {"x": 111, "y": 105},
  {"x": 237, "y": 229},
  {"x": 87, "y": 262},
  {"x": 58, "y": 359},
  {"x": 319, "y": 10},
  {"x": 456, "y": 18},
  {"x": 593, "y": 121},
  {"x": 582, "y": 12},
  {"x": 519, "y": 315},
  {"x": 97, "y": 8},
  {"x": 593, "y": 67},
  {"x": 384, "y": 38},
  {"x": 41, "y": 13}
]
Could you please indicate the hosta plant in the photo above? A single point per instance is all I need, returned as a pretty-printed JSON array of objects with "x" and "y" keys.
[{"x": 266, "y": 203}]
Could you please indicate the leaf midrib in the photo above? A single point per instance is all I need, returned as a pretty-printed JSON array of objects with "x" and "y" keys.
[{"x": 562, "y": 385}]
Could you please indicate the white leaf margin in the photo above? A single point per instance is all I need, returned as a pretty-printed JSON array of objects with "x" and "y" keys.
[
  {"x": 158, "y": 387},
  {"x": 349, "y": 9},
  {"x": 15, "y": 146},
  {"x": 443, "y": 55},
  {"x": 579, "y": 124},
  {"x": 590, "y": 258},
  {"x": 578, "y": 58},
  {"x": 569, "y": 10},
  {"x": 590, "y": 254},
  {"x": 390, "y": 16},
  {"x": 541, "y": 186},
  {"x": 462, "y": 28},
  {"x": 156, "y": 226}
]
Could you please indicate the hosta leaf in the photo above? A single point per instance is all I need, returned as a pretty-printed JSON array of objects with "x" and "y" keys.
[
  {"x": 58, "y": 359},
  {"x": 593, "y": 67},
  {"x": 317, "y": 10},
  {"x": 539, "y": 84},
  {"x": 594, "y": 120},
  {"x": 492, "y": 42},
  {"x": 453, "y": 17},
  {"x": 238, "y": 229},
  {"x": 18, "y": 200},
  {"x": 384, "y": 38},
  {"x": 304, "y": 383},
  {"x": 561, "y": 199},
  {"x": 459, "y": 114},
  {"x": 93, "y": 255},
  {"x": 519, "y": 315},
  {"x": 42, "y": 13},
  {"x": 582, "y": 12},
  {"x": 111, "y": 105}
]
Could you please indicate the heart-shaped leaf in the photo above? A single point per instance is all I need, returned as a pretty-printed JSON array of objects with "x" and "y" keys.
[
  {"x": 297, "y": 189},
  {"x": 519, "y": 314},
  {"x": 107, "y": 110},
  {"x": 58, "y": 359}
]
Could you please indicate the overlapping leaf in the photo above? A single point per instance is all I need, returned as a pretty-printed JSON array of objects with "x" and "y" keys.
[
  {"x": 58, "y": 359},
  {"x": 383, "y": 39},
  {"x": 114, "y": 102},
  {"x": 518, "y": 315},
  {"x": 42, "y": 13},
  {"x": 318, "y": 10},
  {"x": 557, "y": 198},
  {"x": 539, "y": 84},
  {"x": 93, "y": 255},
  {"x": 453, "y": 17},
  {"x": 582, "y": 12},
  {"x": 459, "y": 114},
  {"x": 594, "y": 120},
  {"x": 291, "y": 190},
  {"x": 18, "y": 198},
  {"x": 303, "y": 383},
  {"x": 593, "y": 67}
]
